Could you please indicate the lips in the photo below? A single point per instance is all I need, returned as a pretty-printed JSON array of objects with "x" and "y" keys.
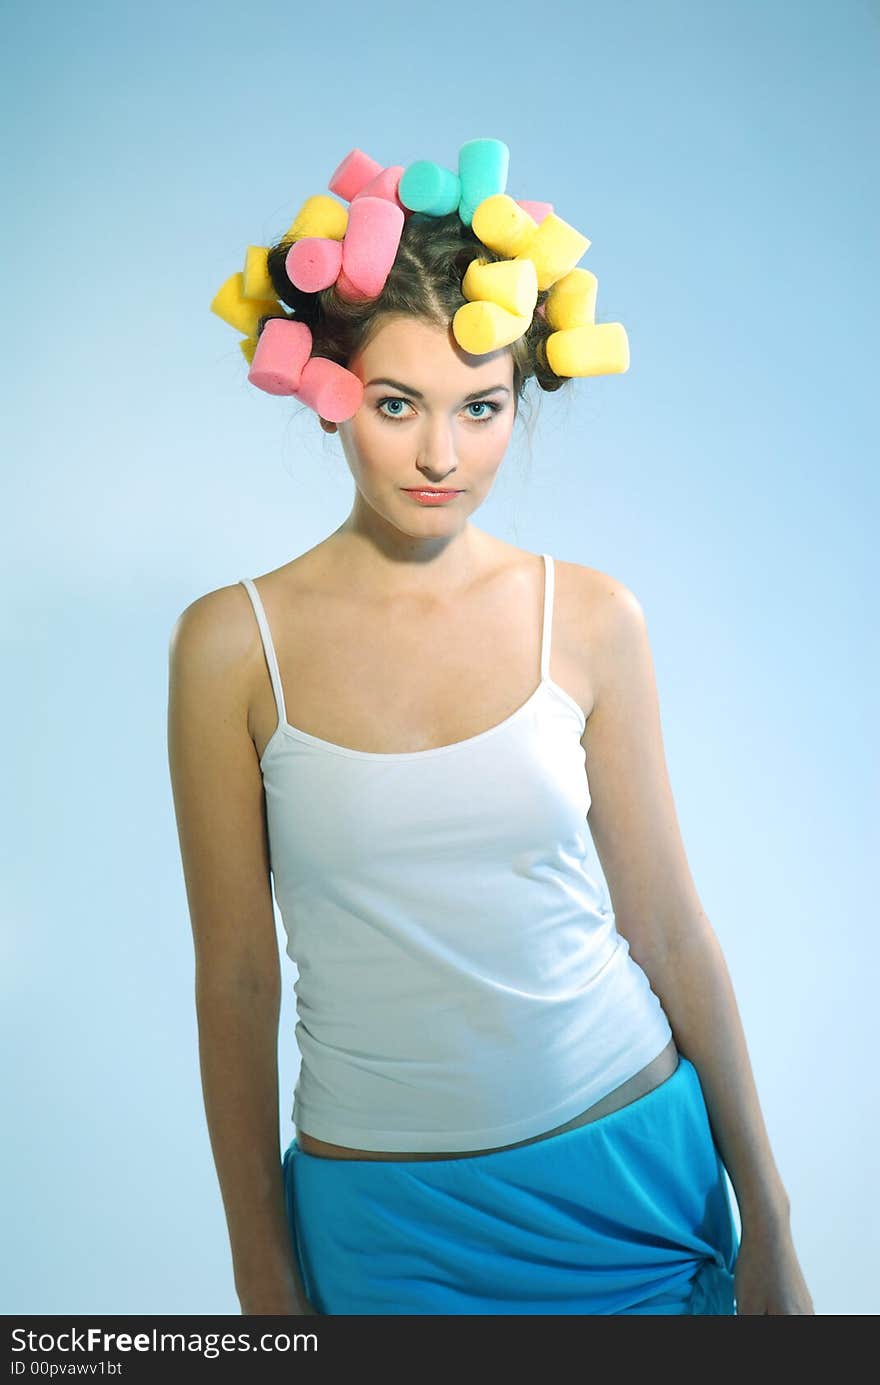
[{"x": 430, "y": 490}]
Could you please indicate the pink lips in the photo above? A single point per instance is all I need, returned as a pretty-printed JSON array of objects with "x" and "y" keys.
[{"x": 430, "y": 495}]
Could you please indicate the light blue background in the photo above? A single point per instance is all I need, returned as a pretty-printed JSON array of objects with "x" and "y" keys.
[{"x": 722, "y": 159}]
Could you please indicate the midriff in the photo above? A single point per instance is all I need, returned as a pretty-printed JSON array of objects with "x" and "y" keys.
[{"x": 642, "y": 1082}]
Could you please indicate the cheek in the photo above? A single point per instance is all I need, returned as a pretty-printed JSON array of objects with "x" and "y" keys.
[
  {"x": 489, "y": 449},
  {"x": 374, "y": 445}
]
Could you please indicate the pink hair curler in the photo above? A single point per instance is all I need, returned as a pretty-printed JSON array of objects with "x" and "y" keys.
[
  {"x": 282, "y": 349},
  {"x": 334, "y": 392},
  {"x": 313, "y": 263},
  {"x": 356, "y": 170},
  {"x": 369, "y": 246},
  {"x": 385, "y": 184}
]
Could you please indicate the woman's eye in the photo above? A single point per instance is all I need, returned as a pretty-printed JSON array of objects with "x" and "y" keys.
[
  {"x": 383, "y": 402},
  {"x": 486, "y": 404}
]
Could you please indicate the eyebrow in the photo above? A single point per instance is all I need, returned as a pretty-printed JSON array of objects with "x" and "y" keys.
[{"x": 417, "y": 394}]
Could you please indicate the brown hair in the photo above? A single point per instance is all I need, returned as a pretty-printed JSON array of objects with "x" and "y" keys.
[{"x": 424, "y": 282}]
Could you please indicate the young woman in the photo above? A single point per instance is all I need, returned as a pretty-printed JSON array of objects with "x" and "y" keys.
[{"x": 515, "y": 1096}]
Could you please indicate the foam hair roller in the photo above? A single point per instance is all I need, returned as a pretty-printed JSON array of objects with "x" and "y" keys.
[
  {"x": 283, "y": 364},
  {"x": 426, "y": 187},
  {"x": 354, "y": 247},
  {"x": 482, "y": 172},
  {"x": 580, "y": 345},
  {"x": 349, "y": 290},
  {"x": 370, "y": 245},
  {"x": 352, "y": 175},
  {"x": 554, "y": 249},
  {"x": 485, "y": 326},
  {"x": 513, "y": 284},
  {"x": 230, "y": 303},
  {"x": 601, "y": 348},
  {"x": 255, "y": 278},
  {"x": 313, "y": 263},
  {"x": 504, "y": 225},
  {"x": 319, "y": 216},
  {"x": 332, "y": 391},
  {"x": 283, "y": 348},
  {"x": 571, "y": 301},
  {"x": 385, "y": 184}
]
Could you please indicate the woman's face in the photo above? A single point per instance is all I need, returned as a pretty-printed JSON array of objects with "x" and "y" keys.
[{"x": 432, "y": 415}]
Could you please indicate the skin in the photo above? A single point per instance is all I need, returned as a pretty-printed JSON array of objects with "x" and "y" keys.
[
  {"x": 388, "y": 539},
  {"x": 371, "y": 597}
]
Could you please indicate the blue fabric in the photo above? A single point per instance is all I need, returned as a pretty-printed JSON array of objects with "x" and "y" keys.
[{"x": 630, "y": 1213}]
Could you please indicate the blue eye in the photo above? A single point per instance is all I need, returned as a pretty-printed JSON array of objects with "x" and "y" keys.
[
  {"x": 474, "y": 404},
  {"x": 484, "y": 404}
]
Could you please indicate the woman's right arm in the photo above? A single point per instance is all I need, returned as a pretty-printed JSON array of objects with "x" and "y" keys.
[{"x": 220, "y": 811}]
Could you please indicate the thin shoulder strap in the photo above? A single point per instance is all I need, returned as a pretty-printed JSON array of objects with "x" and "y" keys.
[
  {"x": 268, "y": 646},
  {"x": 547, "y": 625}
]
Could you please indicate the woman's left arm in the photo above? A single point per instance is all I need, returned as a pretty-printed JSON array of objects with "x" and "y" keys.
[{"x": 634, "y": 825}]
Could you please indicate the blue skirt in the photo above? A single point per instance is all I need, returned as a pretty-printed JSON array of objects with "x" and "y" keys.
[{"x": 629, "y": 1213}]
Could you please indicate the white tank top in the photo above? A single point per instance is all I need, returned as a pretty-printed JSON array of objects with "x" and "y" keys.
[{"x": 462, "y": 983}]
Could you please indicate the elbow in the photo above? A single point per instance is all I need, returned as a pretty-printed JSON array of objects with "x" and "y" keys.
[{"x": 228, "y": 982}]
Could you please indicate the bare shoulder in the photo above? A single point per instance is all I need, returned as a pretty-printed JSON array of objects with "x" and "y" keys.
[
  {"x": 218, "y": 791},
  {"x": 598, "y": 591},
  {"x": 597, "y": 616},
  {"x": 215, "y": 653},
  {"x": 216, "y": 632}
]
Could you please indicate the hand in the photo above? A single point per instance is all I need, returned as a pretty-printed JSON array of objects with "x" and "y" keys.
[
  {"x": 284, "y": 1297},
  {"x": 767, "y": 1277}
]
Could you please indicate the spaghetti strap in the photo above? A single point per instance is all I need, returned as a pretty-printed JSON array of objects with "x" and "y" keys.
[
  {"x": 547, "y": 625},
  {"x": 268, "y": 646}
]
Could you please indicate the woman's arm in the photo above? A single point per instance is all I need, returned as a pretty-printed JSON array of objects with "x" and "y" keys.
[
  {"x": 635, "y": 828},
  {"x": 220, "y": 812},
  {"x": 238, "y": 1033}
]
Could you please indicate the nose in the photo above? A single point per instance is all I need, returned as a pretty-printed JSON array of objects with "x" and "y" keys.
[{"x": 437, "y": 459}]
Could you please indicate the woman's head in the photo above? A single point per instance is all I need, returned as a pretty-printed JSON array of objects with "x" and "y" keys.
[
  {"x": 432, "y": 416},
  {"x": 443, "y": 422}
]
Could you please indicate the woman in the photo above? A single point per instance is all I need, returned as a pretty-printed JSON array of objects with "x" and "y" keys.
[{"x": 513, "y": 1097}]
